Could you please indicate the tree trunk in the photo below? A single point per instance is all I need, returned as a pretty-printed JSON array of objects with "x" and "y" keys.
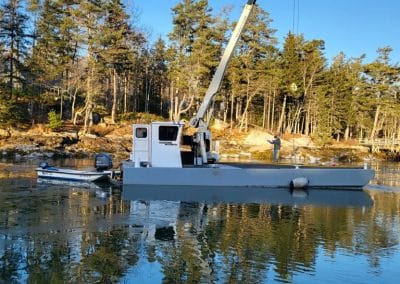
[
  {"x": 146, "y": 89},
  {"x": 373, "y": 131},
  {"x": 282, "y": 116},
  {"x": 171, "y": 102},
  {"x": 89, "y": 103},
  {"x": 238, "y": 109},
  {"x": 346, "y": 133},
  {"x": 232, "y": 107},
  {"x": 398, "y": 130},
  {"x": 272, "y": 118},
  {"x": 73, "y": 105},
  {"x": 12, "y": 67},
  {"x": 61, "y": 102},
  {"x": 175, "y": 115},
  {"x": 115, "y": 93},
  {"x": 307, "y": 123},
  {"x": 264, "y": 116},
  {"x": 125, "y": 93}
]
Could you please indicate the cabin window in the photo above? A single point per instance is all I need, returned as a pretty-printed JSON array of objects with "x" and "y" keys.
[
  {"x": 168, "y": 133},
  {"x": 141, "y": 132}
]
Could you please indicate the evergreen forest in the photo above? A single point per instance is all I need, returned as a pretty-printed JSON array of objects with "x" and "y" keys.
[{"x": 78, "y": 61}]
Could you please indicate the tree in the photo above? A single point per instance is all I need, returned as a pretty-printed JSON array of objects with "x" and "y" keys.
[
  {"x": 303, "y": 66},
  {"x": 13, "y": 25},
  {"x": 312, "y": 67},
  {"x": 196, "y": 52},
  {"x": 55, "y": 51},
  {"x": 255, "y": 52},
  {"x": 134, "y": 70},
  {"x": 381, "y": 78},
  {"x": 115, "y": 31},
  {"x": 89, "y": 16},
  {"x": 342, "y": 83},
  {"x": 159, "y": 69},
  {"x": 292, "y": 86}
]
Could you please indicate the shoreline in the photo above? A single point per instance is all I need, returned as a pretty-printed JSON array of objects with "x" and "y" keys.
[{"x": 37, "y": 143}]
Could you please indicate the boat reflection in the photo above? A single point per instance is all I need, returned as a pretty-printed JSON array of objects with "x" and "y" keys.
[
  {"x": 317, "y": 197},
  {"x": 44, "y": 183},
  {"x": 102, "y": 190}
]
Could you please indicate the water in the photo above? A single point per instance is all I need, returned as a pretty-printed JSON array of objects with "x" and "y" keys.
[{"x": 72, "y": 233}]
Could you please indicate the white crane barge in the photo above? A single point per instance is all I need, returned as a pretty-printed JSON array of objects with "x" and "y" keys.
[{"x": 157, "y": 158}]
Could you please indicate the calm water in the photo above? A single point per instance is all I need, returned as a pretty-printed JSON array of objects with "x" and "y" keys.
[{"x": 69, "y": 233}]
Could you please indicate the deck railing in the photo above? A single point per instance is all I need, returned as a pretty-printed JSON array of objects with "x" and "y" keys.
[{"x": 378, "y": 144}]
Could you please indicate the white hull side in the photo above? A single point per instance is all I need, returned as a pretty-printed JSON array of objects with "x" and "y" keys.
[
  {"x": 72, "y": 175},
  {"x": 247, "y": 177}
]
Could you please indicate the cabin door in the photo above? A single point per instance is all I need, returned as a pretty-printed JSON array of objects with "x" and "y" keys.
[
  {"x": 165, "y": 144},
  {"x": 141, "y": 145}
]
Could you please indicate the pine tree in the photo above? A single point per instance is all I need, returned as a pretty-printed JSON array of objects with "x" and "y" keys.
[
  {"x": 13, "y": 26},
  {"x": 382, "y": 79},
  {"x": 342, "y": 81},
  {"x": 90, "y": 15},
  {"x": 115, "y": 31},
  {"x": 196, "y": 53},
  {"x": 255, "y": 50},
  {"x": 158, "y": 57},
  {"x": 292, "y": 88},
  {"x": 303, "y": 65},
  {"x": 134, "y": 70},
  {"x": 55, "y": 48}
]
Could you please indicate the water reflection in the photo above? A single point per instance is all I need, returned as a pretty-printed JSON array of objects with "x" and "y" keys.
[
  {"x": 320, "y": 197},
  {"x": 387, "y": 174},
  {"x": 68, "y": 233}
]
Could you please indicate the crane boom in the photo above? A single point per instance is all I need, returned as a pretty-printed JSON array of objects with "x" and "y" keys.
[
  {"x": 219, "y": 73},
  {"x": 202, "y": 137}
]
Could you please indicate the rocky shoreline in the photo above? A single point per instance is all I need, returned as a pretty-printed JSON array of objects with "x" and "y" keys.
[{"x": 40, "y": 143}]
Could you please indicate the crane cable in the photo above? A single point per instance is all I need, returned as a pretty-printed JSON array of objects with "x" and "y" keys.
[{"x": 296, "y": 16}]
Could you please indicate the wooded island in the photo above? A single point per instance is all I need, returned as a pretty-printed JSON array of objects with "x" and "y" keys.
[{"x": 68, "y": 62}]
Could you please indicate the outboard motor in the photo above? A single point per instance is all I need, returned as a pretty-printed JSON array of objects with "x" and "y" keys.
[
  {"x": 103, "y": 162},
  {"x": 43, "y": 165}
]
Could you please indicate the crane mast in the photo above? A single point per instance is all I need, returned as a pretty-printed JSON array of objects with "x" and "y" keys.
[{"x": 202, "y": 136}]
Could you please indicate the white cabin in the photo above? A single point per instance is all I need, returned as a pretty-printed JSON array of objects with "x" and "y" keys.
[{"x": 157, "y": 145}]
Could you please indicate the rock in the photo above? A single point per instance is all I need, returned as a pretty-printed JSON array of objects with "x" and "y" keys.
[
  {"x": 35, "y": 155},
  {"x": 245, "y": 154},
  {"x": 48, "y": 154},
  {"x": 313, "y": 160}
]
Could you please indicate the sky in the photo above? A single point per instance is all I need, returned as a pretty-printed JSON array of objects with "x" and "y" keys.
[{"x": 354, "y": 27}]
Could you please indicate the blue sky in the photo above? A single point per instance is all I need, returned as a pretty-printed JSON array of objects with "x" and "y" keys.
[{"x": 355, "y": 27}]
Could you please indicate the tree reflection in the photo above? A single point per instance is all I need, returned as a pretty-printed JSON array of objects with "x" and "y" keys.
[
  {"x": 107, "y": 255},
  {"x": 9, "y": 263},
  {"x": 243, "y": 242},
  {"x": 73, "y": 236},
  {"x": 53, "y": 237}
]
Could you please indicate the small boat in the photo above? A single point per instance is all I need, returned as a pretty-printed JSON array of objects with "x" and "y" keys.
[
  {"x": 71, "y": 175},
  {"x": 103, "y": 164}
]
